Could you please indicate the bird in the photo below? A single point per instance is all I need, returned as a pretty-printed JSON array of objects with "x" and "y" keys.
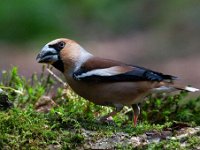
[{"x": 104, "y": 81}]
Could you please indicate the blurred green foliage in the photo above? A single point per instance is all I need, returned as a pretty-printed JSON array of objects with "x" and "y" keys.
[{"x": 25, "y": 21}]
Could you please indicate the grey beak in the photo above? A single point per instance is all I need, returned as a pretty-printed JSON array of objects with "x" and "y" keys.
[{"x": 47, "y": 55}]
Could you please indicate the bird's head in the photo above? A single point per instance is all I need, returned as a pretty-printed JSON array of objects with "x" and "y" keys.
[{"x": 62, "y": 54}]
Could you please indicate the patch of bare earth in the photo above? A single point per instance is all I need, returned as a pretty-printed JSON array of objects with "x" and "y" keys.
[{"x": 123, "y": 139}]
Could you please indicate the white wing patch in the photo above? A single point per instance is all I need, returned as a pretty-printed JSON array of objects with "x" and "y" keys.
[{"x": 101, "y": 72}]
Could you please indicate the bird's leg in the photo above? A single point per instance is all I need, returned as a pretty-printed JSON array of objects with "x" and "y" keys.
[
  {"x": 136, "y": 110},
  {"x": 113, "y": 113}
]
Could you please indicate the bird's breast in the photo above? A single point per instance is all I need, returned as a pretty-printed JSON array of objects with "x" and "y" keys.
[{"x": 110, "y": 93}]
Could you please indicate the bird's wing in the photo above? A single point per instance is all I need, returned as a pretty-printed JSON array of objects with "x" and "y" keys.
[{"x": 97, "y": 69}]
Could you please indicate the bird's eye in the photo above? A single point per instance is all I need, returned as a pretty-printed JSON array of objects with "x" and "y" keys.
[
  {"x": 58, "y": 46},
  {"x": 61, "y": 44}
]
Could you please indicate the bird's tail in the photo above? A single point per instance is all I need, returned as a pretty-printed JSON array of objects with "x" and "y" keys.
[
  {"x": 170, "y": 87},
  {"x": 186, "y": 88}
]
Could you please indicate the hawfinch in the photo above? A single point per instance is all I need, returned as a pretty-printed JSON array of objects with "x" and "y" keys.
[{"x": 103, "y": 81}]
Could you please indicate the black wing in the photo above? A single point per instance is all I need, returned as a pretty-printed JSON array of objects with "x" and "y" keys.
[{"x": 135, "y": 74}]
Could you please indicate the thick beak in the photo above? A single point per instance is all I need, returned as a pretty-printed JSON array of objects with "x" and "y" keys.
[{"x": 47, "y": 55}]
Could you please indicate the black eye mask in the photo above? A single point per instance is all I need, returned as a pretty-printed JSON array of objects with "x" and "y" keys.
[{"x": 58, "y": 46}]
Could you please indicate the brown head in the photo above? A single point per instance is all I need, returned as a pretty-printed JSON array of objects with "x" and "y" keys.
[{"x": 63, "y": 54}]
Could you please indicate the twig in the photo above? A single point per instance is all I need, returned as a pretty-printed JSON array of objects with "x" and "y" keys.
[
  {"x": 9, "y": 88},
  {"x": 57, "y": 78},
  {"x": 127, "y": 110}
]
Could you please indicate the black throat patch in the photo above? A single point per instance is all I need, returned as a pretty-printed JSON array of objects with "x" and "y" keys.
[{"x": 59, "y": 65}]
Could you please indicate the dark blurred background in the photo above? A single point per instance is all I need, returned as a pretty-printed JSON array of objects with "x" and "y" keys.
[{"x": 161, "y": 35}]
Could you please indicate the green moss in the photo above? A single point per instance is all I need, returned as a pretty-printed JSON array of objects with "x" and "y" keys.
[
  {"x": 165, "y": 145},
  {"x": 193, "y": 142}
]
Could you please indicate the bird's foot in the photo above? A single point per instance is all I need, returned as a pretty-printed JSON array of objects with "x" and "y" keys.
[{"x": 135, "y": 120}]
